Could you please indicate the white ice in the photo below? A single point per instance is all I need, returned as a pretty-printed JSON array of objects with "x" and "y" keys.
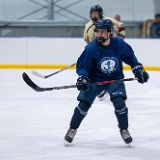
[{"x": 33, "y": 124}]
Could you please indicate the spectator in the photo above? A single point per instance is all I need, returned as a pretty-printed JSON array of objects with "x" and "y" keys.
[
  {"x": 117, "y": 17},
  {"x": 155, "y": 27}
]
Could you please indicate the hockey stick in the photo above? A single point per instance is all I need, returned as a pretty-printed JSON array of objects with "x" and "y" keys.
[
  {"x": 30, "y": 83},
  {"x": 43, "y": 76}
]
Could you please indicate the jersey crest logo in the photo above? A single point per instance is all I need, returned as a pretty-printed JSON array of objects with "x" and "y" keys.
[{"x": 108, "y": 64}]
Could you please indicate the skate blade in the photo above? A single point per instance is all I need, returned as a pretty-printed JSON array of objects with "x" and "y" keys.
[
  {"x": 129, "y": 145},
  {"x": 66, "y": 143}
]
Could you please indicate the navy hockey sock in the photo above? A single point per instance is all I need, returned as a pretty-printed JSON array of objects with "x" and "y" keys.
[
  {"x": 121, "y": 112},
  {"x": 79, "y": 113}
]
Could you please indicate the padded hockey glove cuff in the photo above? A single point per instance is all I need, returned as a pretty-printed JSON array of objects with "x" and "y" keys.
[
  {"x": 140, "y": 73},
  {"x": 81, "y": 83}
]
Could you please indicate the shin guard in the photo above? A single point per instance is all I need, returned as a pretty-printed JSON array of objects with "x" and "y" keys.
[
  {"x": 121, "y": 112},
  {"x": 79, "y": 113}
]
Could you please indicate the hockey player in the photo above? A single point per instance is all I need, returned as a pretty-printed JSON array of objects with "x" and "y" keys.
[
  {"x": 102, "y": 60},
  {"x": 96, "y": 13}
]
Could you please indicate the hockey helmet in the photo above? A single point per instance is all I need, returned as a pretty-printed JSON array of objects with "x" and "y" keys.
[
  {"x": 98, "y": 9},
  {"x": 105, "y": 24}
]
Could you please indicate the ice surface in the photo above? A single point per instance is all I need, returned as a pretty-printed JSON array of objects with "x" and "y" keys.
[{"x": 33, "y": 124}]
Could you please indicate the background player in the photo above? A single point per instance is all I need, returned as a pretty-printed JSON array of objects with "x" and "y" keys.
[{"x": 96, "y": 14}]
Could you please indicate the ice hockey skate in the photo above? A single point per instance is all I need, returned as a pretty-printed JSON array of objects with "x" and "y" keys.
[
  {"x": 103, "y": 95},
  {"x": 69, "y": 136},
  {"x": 126, "y": 136}
]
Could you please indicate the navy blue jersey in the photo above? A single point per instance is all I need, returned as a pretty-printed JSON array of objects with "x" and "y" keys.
[{"x": 101, "y": 63}]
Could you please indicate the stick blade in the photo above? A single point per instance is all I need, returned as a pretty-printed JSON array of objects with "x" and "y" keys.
[
  {"x": 38, "y": 74},
  {"x": 31, "y": 84}
]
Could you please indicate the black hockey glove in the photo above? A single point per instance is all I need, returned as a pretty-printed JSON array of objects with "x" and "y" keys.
[
  {"x": 140, "y": 73},
  {"x": 81, "y": 83}
]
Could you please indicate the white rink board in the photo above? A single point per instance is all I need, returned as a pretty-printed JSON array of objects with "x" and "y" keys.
[{"x": 66, "y": 50}]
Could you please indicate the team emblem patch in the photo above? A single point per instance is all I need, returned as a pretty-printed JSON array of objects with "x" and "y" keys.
[{"x": 109, "y": 64}]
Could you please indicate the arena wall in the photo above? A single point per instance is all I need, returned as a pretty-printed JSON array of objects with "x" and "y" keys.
[{"x": 59, "y": 52}]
